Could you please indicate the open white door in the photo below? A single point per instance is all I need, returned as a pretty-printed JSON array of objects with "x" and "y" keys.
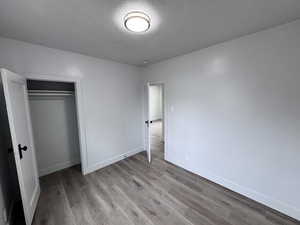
[
  {"x": 147, "y": 122},
  {"x": 16, "y": 99}
]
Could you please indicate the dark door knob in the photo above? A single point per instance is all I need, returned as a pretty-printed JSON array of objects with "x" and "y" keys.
[
  {"x": 147, "y": 122},
  {"x": 20, "y": 148}
]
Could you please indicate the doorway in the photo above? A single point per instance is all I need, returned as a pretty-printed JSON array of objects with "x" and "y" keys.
[
  {"x": 54, "y": 122},
  {"x": 155, "y": 123},
  {"x": 73, "y": 87}
]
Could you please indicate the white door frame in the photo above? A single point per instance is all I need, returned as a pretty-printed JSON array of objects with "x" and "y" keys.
[
  {"x": 164, "y": 114},
  {"x": 79, "y": 107}
]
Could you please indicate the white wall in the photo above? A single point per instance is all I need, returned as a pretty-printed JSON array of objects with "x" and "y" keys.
[
  {"x": 155, "y": 100},
  {"x": 235, "y": 117},
  {"x": 55, "y": 132},
  {"x": 112, "y": 96}
]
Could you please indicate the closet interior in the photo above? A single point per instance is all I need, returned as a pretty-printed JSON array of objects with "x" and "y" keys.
[{"x": 54, "y": 122}]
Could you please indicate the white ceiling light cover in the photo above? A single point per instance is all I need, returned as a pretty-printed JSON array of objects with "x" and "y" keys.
[{"x": 137, "y": 22}]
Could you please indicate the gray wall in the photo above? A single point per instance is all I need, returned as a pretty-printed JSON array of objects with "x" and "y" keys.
[
  {"x": 233, "y": 114},
  {"x": 112, "y": 95}
]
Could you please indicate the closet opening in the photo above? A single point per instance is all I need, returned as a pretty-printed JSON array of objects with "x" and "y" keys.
[{"x": 54, "y": 119}]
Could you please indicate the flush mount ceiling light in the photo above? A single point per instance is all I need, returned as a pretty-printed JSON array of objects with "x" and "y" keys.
[{"x": 137, "y": 22}]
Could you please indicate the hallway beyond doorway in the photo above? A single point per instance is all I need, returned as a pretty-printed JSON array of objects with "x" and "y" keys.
[{"x": 156, "y": 135}]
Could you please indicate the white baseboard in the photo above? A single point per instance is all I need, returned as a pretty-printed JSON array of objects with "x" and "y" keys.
[
  {"x": 57, "y": 167},
  {"x": 112, "y": 160},
  {"x": 252, "y": 194}
]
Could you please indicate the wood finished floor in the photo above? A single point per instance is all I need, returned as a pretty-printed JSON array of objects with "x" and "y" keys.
[{"x": 132, "y": 193}]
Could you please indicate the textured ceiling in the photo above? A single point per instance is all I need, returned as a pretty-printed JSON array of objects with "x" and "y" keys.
[{"x": 94, "y": 27}]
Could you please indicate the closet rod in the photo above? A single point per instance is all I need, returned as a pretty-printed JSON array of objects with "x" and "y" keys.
[{"x": 50, "y": 93}]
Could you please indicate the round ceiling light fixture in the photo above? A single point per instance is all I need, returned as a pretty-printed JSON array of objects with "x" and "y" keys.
[{"x": 137, "y": 22}]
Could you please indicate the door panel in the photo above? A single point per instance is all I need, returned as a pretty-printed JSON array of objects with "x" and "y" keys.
[{"x": 16, "y": 99}]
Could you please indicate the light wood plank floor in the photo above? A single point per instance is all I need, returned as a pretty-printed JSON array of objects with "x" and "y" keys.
[{"x": 132, "y": 193}]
